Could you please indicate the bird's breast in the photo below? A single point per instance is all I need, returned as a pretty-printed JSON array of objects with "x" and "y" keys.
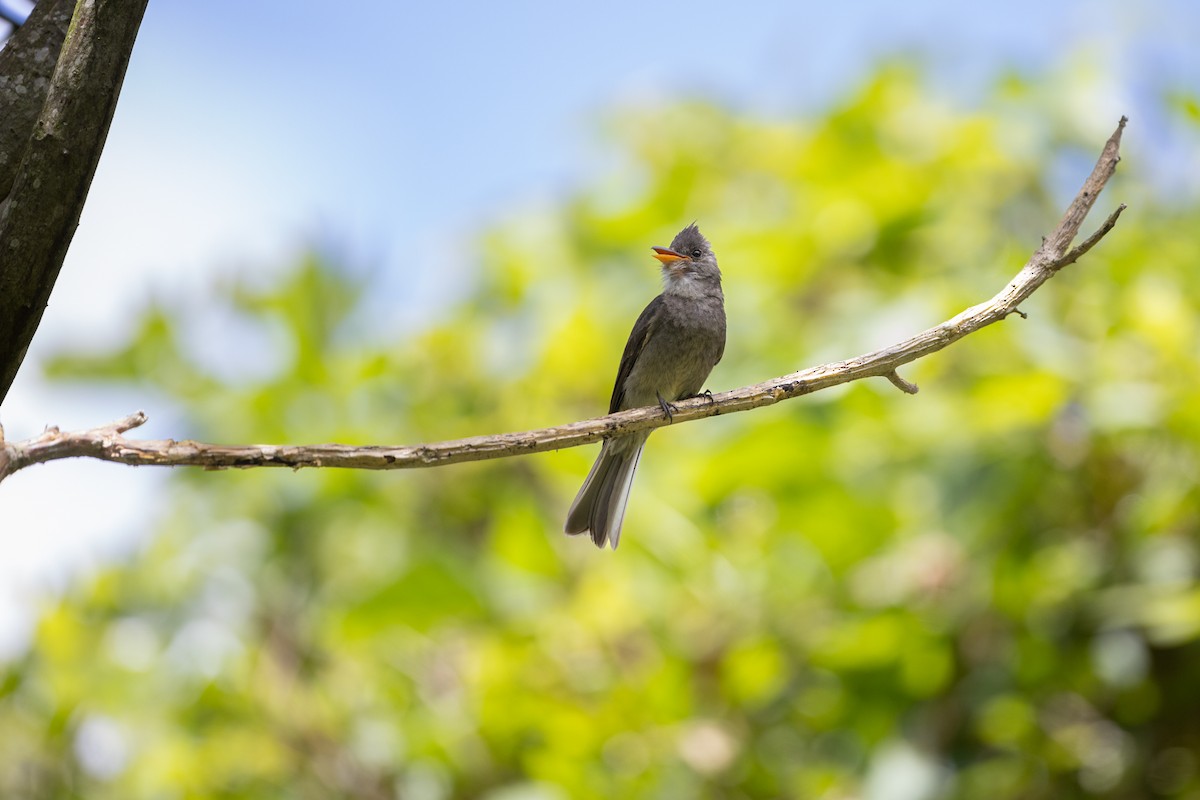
[{"x": 685, "y": 344}]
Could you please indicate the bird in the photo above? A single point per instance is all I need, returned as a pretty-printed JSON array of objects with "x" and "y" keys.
[{"x": 675, "y": 343}]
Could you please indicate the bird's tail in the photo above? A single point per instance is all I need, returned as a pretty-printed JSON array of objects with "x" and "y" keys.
[{"x": 599, "y": 508}]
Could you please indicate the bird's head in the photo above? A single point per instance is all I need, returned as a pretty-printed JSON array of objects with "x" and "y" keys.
[{"x": 689, "y": 264}]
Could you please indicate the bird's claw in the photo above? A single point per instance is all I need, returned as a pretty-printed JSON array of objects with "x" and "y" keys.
[{"x": 667, "y": 408}]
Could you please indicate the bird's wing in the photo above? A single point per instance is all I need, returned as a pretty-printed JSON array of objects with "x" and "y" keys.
[{"x": 633, "y": 348}]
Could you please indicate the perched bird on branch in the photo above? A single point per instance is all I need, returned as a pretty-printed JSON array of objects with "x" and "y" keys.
[{"x": 674, "y": 345}]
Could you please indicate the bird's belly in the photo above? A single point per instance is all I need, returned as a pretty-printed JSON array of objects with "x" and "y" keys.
[{"x": 674, "y": 367}]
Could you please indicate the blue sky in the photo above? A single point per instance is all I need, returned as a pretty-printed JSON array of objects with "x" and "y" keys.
[{"x": 397, "y": 130}]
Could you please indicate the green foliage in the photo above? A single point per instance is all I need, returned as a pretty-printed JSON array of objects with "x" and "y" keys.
[{"x": 988, "y": 590}]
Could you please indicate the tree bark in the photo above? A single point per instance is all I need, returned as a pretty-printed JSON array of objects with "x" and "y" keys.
[
  {"x": 50, "y": 143},
  {"x": 26, "y": 67}
]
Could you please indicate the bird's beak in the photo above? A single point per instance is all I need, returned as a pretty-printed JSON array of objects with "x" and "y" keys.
[{"x": 666, "y": 255}]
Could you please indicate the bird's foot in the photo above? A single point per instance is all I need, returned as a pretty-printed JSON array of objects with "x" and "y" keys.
[
  {"x": 667, "y": 408},
  {"x": 706, "y": 394}
]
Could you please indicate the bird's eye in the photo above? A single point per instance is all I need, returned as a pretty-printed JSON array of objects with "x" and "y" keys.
[{"x": 696, "y": 253}]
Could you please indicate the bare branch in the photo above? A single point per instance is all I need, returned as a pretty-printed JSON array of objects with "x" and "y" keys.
[
  {"x": 1090, "y": 242},
  {"x": 107, "y": 442},
  {"x": 908, "y": 387}
]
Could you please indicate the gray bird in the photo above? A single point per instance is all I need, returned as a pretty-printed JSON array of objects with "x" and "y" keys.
[{"x": 675, "y": 343}]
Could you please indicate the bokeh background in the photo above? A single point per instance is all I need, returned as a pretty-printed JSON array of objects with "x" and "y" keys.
[{"x": 392, "y": 223}]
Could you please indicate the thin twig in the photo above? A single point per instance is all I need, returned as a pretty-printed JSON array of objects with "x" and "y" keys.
[
  {"x": 908, "y": 387},
  {"x": 108, "y": 443},
  {"x": 1090, "y": 242}
]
